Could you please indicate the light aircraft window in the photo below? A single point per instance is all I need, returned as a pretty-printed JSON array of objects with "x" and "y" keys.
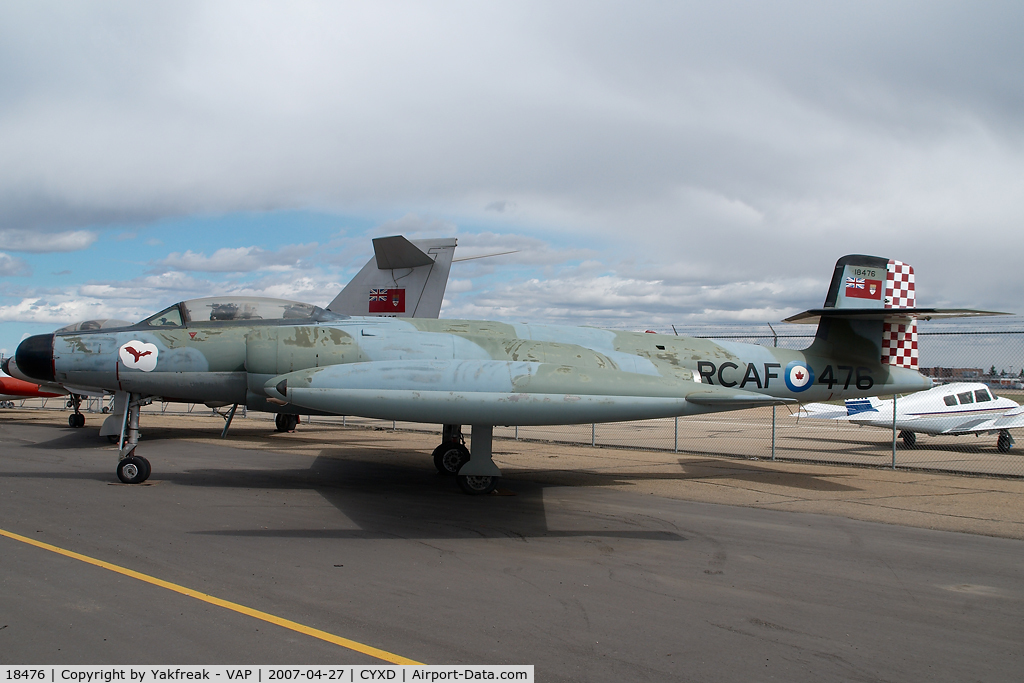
[
  {"x": 965, "y": 398},
  {"x": 949, "y": 400},
  {"x": 981, "y": 395},
  {"x": 170, "y": 317}
]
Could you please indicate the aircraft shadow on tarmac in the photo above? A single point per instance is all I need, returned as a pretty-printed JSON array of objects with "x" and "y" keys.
[{"x": 387, "y": 501}]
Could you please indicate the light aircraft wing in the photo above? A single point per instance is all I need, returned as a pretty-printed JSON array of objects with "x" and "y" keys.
[{"x": 822, "y": 411}]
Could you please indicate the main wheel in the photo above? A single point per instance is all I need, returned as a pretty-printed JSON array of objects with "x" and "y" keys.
[
  {"x": 131, "y": 470},
  {"x": 79, "y": 420},
  {"x": 909, "y": 439},
  {"x": 1003, "y": 443},
  {"x": 146, "y": 467},
  {"x": 286, "y": 423},
  {"x": 449, "y": 457},
  {"x": 476, "y": 485}
]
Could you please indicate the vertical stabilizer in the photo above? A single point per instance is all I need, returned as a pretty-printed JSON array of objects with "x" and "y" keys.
[
  {"x": 869, "y": 312},
  {"x": 404, "y": 279}
]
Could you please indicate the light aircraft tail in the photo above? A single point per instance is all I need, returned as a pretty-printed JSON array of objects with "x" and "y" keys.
[
  {"x": 855, "y": 406},
  {"x": 404, "y": 279},
  {"x": 871, "y": 313}
]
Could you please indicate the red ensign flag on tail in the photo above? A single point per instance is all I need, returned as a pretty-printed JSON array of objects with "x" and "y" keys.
[
  {"x": 860, "y": 288},
  {"x": 387, "y": 300}
]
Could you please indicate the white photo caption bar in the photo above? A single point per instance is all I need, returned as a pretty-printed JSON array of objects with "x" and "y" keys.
[{"x": 248, "y": 673}]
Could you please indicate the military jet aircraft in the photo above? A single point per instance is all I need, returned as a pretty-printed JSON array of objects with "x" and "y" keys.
[
  {"x": 302, "y": 358},
  {"x": 951, "y": 409}
]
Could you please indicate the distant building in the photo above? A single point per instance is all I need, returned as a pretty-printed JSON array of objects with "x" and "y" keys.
[{"x": 943, "y": 375}]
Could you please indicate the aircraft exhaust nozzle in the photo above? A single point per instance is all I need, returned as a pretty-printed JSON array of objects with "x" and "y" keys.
[
  {"x": 6, "y": 364},
  {"x": 34, "y": 358}
]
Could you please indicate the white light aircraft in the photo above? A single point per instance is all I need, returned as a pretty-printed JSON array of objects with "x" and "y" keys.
[{"x": 949, "y": 409}]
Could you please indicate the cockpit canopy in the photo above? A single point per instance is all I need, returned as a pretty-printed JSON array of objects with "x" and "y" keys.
[
  {"x": 238, "y": 308},
  {"x": 98, "y": 324}
]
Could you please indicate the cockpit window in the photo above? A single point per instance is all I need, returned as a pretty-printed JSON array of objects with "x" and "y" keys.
[
  {"x": 169, "y": 317},
  {"x": 216, "y": 309},
  {"x": 981, "y": 395},
  {"x": 949, "y": 400},
  {"x": 965, "y": 398}
]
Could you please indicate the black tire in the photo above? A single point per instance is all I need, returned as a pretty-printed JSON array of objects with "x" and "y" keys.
[
  {"x": 79, "y": 420},
  {"x": 145, "y": 465},
  {"x": 909, "y": 439},
  {"x": 1003, "y": 443},
  {"x": 113, "y": 438},
  {"x": 72, "y": 420},
  {"x": 286, "y": 423},
  {"x": 449, "y": 457},
  {"x": 476, "y": 485},
  {"x": 131, "y": 471}
]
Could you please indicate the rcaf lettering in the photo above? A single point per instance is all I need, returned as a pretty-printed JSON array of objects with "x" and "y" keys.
[
  {"x": 721, "y": 369},
  {"x": 751, "y": 376},
  {"x": 860, "y": 377}
]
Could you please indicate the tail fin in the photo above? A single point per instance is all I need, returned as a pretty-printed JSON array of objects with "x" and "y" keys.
[
  {"x": 404, "y": 279},
  {"x": 871, "y": 313},
  {"x": 856, "y": 406}
]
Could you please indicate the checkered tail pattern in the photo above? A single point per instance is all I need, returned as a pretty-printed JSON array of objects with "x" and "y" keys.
[{"x": 899, "y": 339}]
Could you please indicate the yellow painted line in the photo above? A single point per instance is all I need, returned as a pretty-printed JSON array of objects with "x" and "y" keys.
[{"x": 226, "y": 604}]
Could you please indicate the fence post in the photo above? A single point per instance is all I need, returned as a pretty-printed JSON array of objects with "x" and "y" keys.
[
  {"x": 894, "y": 431},
  {"x": 593, "y": 433},
  {"x": 773, "y": 432}
]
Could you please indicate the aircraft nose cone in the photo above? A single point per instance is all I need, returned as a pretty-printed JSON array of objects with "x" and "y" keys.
[{"x": 34, "y": 357}]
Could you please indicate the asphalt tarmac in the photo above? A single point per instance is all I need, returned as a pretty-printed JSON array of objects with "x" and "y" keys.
[{"x": 364, "y": 541}]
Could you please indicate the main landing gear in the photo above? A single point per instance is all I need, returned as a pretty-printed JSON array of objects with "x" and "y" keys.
[
  {"x": 131, "y": 468},
  {"x": 909, "y": 438},
  {"x": 76, "y": 419},
  {"x": 1005, "y": 442},
  {"x": 286, "y": 423},
  {"x": 475, "y": 472}
]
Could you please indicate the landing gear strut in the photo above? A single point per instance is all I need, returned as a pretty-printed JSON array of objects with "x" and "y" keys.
[
  {"x": 76, "y": 419},
  {"x": 131, "y": 468},
  {"x": 474, "y": 470}
]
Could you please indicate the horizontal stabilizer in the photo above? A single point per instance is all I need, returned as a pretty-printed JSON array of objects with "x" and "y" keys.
[
  {"x": 398, "y": 252},
  {"x": 814, "y": 315}
]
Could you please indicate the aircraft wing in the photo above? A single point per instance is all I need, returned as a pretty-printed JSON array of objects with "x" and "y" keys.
[
  {"x": 822, "y": 411},
  {"x": 1013, "y": 419}
]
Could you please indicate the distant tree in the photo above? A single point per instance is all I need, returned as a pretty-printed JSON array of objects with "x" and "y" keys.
[
  {"x": 1021, "y": 375},
  {"x": 992, "y": 371}
]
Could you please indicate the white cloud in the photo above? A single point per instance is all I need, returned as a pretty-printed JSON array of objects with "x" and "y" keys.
[
  {"x": 12, "y": 266},
  {"x": 46, "y": 242},
  {"x": 239, "y": 259}
]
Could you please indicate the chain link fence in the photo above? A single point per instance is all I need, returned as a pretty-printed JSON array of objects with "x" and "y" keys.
[{"x": 990, "y": 351}]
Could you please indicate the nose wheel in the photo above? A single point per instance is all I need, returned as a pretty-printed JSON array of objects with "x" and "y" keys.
[
  {"x": 76, "y": 419},
  {"x": 134, "y": 469}
]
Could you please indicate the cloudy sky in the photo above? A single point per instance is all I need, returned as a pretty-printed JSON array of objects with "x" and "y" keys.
[{"x": 653, "y": 164}]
